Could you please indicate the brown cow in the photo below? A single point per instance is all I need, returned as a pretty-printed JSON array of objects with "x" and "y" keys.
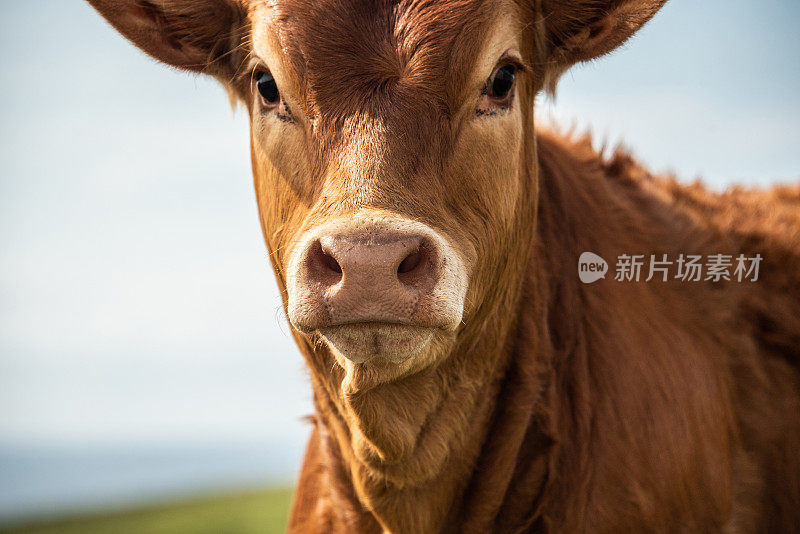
[{"x": 426, "y": 240}]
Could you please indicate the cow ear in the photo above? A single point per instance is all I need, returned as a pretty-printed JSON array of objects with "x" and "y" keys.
[
  {"x": 581, "y": 30},
  {"x": 196, "y": 35}
]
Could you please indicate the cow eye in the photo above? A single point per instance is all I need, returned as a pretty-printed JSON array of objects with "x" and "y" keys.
[
  {"x": 501, "y": 82},
  {"x": 267, "y": 88}
]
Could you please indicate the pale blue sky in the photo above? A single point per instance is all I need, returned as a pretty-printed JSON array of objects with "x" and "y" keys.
[{"x": 137, "y": 305}]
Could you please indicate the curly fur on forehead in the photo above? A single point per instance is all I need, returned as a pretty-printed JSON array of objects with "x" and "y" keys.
[{"x": 367, "y": 56}]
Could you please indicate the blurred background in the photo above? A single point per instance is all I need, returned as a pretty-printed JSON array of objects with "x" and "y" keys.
[{"x": 144, "y": 355}]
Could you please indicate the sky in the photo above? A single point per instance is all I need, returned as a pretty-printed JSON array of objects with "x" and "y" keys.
[{"x": 137, "y": 304}]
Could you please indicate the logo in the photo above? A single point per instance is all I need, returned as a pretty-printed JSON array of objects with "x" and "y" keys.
[
  {"x": 715, "y": 268},
  {"x": 591, "y": 267}
]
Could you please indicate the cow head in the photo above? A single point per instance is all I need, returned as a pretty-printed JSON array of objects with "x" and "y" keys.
[{"x": 394, "y": 158}]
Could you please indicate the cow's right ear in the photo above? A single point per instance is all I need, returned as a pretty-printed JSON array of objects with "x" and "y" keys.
[{"x": 196, "y": 35}]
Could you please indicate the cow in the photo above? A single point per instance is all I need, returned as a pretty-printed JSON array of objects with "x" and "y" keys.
[{"x": 425, "y": 236}]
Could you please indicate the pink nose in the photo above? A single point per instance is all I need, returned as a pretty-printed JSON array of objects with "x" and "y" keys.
[
  {"x": 369, "y": 276},
  {"x": 375, "y": 285}
]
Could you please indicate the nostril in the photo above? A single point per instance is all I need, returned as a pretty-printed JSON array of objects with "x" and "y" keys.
[
  {"x": 410, "y": 262},
  {"x": 418, "y": 268},
  {"x": 330, "y": 262},
  {"x": 323, "y": 264},
  {"x": 414, "y": 264}
]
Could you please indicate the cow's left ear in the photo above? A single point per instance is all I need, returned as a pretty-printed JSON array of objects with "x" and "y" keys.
[
  {"x": 195, "y": 35},
  {"x": 572, "y": 31}
]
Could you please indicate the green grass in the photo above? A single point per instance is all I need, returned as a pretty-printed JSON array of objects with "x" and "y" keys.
[{"x": 262, "y": 512}]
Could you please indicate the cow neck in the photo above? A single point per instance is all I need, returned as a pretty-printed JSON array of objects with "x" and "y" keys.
[
  {"x": 443, "y": 439},
  {"x": 511, "y": 472}
]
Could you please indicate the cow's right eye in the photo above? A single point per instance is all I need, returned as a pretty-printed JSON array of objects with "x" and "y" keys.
[{"x": 267, "y": 88}]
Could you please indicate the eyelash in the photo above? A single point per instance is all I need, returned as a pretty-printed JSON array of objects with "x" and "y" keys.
[
  {"x": 270, "y": 96},
  {"x": 502, "y": 82},
  {"x": 271, "y": 99}
]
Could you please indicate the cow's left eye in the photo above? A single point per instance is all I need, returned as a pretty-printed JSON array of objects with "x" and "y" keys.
[
  {"x": 499, "y": 85},
  {"x": 267, "y": 88}
]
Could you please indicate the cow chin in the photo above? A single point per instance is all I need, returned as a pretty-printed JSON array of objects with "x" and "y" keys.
[
  {"x": 363, "y": 342},
  {"x": 373, "y": 354}
]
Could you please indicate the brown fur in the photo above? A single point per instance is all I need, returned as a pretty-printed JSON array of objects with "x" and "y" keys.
[{"x": 556, "y": 406}]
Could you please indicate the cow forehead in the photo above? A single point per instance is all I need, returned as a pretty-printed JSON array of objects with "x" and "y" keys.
[{"x": 373, "y": 56}]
